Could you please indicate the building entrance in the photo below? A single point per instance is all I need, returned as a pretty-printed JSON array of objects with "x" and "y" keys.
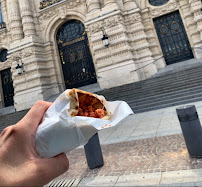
[
  {"x": 173, "y": 38},
  {"x": 77, "y": 64},
  {"x": 7, "y": 86}
]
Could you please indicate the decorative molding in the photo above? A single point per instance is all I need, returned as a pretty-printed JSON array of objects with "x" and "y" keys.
[
  {"x": 48, "y": 15},
  {"x": 133, "y": 18},
  {"x": 95, "y": 27},
  {"x": 113, "y": 21},
  {"x": 158, "y": 11},
  {"x": 72, "y": 3},
  {"x": 107, "y": 23},
  {"x": 26, "y": 52}
]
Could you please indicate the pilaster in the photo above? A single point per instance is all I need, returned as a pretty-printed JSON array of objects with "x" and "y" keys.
[
  {"x": 140, "y": 45},
  {"x": 93, "y": 5},
  {"x": 15, "y": 20},
  {"x": 129, "y": 4},
  {"x": 27, "y": 17},
  {"x": 193, "y": 22},
  {"x": 39, "y": 79},
  {"x": 110, "y": 5},
  {"x": 114, "y": 64}
]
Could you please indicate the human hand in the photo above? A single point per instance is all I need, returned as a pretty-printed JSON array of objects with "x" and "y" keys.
[{"x": 20, "y": 165}]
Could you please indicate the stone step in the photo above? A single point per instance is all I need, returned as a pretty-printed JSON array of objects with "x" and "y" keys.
[
  {"x": 179, "y": 66},
  {"x": 156, "y": 98},
  {"x": 155, "y": 81},
  {"x": 11, "y": 119},
  {"x": 7, "y": 110},
  {"x": 153, "y": 90},
  {"x": 166, "y": 105},
  {"x": 162, "y": 102}
]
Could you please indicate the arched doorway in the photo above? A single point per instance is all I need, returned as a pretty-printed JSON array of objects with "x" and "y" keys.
[
  {"x": 173, "y": 38},
  {"x": 6, "y": 82},
  {"x": 77, "y": 63}
]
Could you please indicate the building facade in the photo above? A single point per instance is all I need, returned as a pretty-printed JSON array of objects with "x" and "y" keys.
[{"x": 51, "y": 45}]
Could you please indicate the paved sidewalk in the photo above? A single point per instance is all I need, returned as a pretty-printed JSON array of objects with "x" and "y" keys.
[
  {"x": 145, "y": 149},
  {"x": 150, "y": 124}
]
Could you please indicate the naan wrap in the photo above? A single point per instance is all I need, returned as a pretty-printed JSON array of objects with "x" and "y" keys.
[{"x": 83, "y": 103}]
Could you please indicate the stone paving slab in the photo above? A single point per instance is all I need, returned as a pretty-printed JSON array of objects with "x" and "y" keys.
[
  {"x": 173, "y": 178},
  {"x": 150, "y": 124},
  {"x": 139, "y": 179},
  {"x": 159, "y": 154}
]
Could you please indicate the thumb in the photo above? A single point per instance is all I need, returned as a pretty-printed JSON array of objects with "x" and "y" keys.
[{"x": 55, "y": 166}]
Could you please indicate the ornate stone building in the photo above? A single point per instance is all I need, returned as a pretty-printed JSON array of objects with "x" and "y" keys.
[{"x": 48, "y": 46}]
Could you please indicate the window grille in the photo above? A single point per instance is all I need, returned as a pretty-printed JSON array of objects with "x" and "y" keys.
[{"x": 46, "y": 3}]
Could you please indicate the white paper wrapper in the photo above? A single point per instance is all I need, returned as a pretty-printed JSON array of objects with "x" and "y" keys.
[{"x": 59, "y": 132}]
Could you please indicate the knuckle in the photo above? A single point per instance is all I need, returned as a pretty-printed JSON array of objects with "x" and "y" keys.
[{"x": 11, "y": 131}]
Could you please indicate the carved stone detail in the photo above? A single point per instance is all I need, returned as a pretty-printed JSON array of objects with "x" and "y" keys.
[
  {"x": 24, "y": 53},
  {"x": 96, "y": 27},
  {"x": 113, "y": 21},
  {"x": 133, "y": 18},
  {"x": 107, "y": 23},
  {"x": 163, "y": 10}
]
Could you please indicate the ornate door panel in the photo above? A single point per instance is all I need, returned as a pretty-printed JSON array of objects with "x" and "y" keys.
[
  {"x": 77, "y": 64},
  {"x": 173, "y": 38},
  {"x": 7, "y": 86}
]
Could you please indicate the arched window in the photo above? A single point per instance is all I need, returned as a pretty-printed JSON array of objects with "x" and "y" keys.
[
  {"x": 158, "y": 2},
  {"x": 3, "y": 55}
]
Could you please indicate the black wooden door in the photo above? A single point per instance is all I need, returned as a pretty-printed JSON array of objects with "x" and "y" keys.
[
  {"x": 7, "y": 85},
  {"x": 77, "y": 64},
  {"x": 173, "y": 38}
]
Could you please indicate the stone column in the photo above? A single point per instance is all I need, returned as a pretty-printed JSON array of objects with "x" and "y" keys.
[
  {"x": 27, "y": 17},
  {"x": 15, "y": 19},
  {"x": 4, "y": 11},
  {"x": 196, "y": 10},
  {"x": 93, "y": 5},
  {"x": 129, "y": 4}
]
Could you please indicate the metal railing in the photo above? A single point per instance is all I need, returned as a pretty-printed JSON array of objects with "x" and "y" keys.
[
  {"x": 46, "y": 3},
  {"x": 52, "y": 86},
  {"x": 147, "y": 64}
]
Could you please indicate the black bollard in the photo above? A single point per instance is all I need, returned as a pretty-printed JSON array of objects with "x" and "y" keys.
[
  {"x": 191, "y": 129},
  {"x": 94, "y": 153}
]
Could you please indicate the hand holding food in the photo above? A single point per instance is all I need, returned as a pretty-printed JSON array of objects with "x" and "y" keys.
[{"x": 74, "y": 118}]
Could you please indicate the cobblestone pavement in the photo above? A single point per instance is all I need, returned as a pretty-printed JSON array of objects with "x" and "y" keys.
[{"x": 159, "y": 154}]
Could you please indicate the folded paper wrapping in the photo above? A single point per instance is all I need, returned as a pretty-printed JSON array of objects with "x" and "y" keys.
[{"x": 59, "y": 132}]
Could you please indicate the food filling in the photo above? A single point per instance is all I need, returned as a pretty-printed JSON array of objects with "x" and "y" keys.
[
  {"x": 90, "y": 106},
  {"x": 88, "y": 112}
]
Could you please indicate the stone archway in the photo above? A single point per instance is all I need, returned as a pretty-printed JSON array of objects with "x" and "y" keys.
[{"x": 75, "y": 56}]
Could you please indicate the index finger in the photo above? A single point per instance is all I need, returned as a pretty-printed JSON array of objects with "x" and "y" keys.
[{"x": 33, "y": 118}]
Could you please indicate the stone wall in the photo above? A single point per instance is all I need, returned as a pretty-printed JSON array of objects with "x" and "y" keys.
[{"x": 30, "y": 35}]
